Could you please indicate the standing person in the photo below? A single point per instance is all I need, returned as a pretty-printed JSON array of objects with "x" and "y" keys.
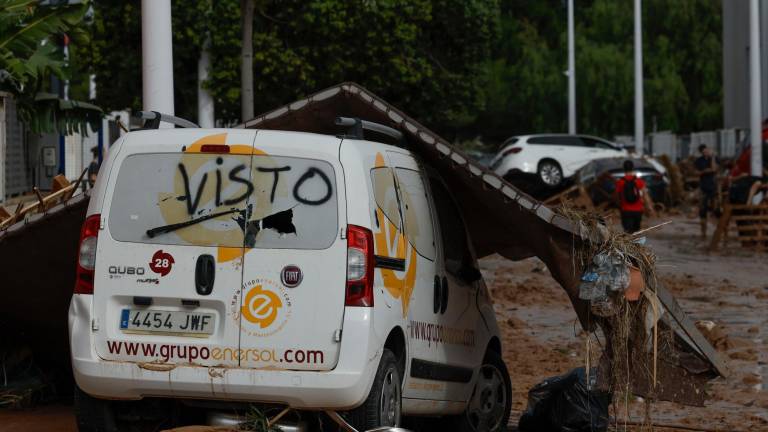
[
  {"x": 632, "y": 196},
  {"x": 707, "y": 168},
  {"x": 93, "y": 167}
]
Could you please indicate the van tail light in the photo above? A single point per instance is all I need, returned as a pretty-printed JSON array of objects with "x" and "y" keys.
[
  {"x": 359, "y": 267},
  {"x": 86, "y": 257},
  {"x": 511, "y": 150}
]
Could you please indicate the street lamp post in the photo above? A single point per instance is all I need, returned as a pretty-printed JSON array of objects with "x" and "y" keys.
[
  {"x": 571, "y": 73},
  {"x": 756, "y": 164},
  {"x": 639, "y": 122},
  {"x": 157, "y": 57}
]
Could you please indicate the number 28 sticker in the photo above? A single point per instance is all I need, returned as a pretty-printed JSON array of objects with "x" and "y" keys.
[{"x": 161, "y": 263}]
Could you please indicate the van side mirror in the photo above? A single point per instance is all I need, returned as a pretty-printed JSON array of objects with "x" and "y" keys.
[{"x": 469, "y": 273}]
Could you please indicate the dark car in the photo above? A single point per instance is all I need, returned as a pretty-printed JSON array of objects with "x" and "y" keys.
[{"x": 600, "y": 178}]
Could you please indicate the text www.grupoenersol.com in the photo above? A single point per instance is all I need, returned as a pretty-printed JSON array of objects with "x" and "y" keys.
[{"x": 190, "y": 353}]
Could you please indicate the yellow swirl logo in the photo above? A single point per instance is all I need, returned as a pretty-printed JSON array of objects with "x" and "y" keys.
[{"x": 261, "y": 306}]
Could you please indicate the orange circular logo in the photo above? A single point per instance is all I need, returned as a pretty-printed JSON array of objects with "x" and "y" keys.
[{"x": 261, "y": 306}]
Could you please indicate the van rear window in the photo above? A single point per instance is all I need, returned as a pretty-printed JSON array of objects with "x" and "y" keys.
[{"x": 230, "y": 200}]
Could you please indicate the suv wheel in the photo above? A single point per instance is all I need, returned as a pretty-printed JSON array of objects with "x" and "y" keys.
[
  {"x": 489, "y": 407},
  {"x": 383, "y": 406},
  {"x": 93, "y": 415},
  {"x": 550, "y": 173}
]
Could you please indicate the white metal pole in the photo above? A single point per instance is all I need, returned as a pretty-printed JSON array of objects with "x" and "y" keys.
[
  {"x": 571, "y": 72},
  {"x": 205, "y": 107},
  {"x": 639, "y": 122},
  {"x": 157, "y": 56},
  {"x": 755, "y": 114}
]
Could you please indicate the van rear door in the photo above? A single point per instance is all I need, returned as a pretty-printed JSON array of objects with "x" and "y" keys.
[
  {"x": 295, "y": 262},
  {"x": 169, "y": 257}
]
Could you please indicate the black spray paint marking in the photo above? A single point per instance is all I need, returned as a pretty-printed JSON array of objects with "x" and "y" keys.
[
  {"x": 276, "y": 178},
  {"x": 192, "y": 204},
  {"x": 306, "y": 176},
  {"x": 233, "y": 177},
  {"x": 219, "y": 161}
]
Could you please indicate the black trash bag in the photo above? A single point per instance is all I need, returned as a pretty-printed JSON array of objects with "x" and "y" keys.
[{"x": 567, "y": 404}]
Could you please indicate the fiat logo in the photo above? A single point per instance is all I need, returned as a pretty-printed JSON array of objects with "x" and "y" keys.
[{"x": 291, "y": 276}]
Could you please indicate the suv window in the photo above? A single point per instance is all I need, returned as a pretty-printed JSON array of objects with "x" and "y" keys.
[
  {"x": 452, "y": 232},
  {"x": 385, "y": 194},
  {"x": 601, "y": 144},
  {"x": 556, "y": 140},
  {"x": 281, "y": 202},
  {"x": 418, "y": 215},
  {"x": 508, "y": 142}
]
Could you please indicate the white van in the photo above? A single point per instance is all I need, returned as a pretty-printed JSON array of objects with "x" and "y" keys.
[{"x": 220, "y": 268}]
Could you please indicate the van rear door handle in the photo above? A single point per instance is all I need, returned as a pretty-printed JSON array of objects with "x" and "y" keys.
[
  {"x": 205, "y": 273},
  {"x": 444, "y": 296}
]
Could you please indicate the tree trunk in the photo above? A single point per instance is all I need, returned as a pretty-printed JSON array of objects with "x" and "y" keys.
[{"x": 246, "y": 61}]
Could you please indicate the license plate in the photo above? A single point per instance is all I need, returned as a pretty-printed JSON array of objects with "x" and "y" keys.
[{"x": 176, "y": 322}]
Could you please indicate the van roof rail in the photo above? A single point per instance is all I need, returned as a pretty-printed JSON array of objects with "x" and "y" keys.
[
  {"x": 356, "y": 128},
  {"x": 153, "y": 119}
]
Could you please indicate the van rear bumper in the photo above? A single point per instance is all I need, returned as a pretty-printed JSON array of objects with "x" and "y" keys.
[{"x": 346, "y": 386}]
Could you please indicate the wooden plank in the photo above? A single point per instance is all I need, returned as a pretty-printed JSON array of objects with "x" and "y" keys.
[
  {"x": 757, "y": 217},
  {"x": 685, "y": 323},
  {"x": 4, "y": 214},
  {"x": 59, "y": 194},
  {"x": 59, "y": 182},
  {"x": 753, "y": 238},
  {"x": 15, "y": 217},
  {"x": 748, "y": 227},
  {"x": 748, "y": 207},
  {"x": 40, "y": 200},
  {"x": 561, "y": 196},
  {"x": 722, "y": 228},
  {"x": 77, "y": 185},
  {"x": 42, "y": 204}
]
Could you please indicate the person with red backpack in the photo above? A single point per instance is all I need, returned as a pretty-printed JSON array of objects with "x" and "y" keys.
[{"x": 632, "y": 196}]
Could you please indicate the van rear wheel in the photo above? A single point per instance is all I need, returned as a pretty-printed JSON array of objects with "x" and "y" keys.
[
  {"x": 489, "y": 407},
  {"x": 383, "y": 407},
  {"x": 93, "y": 415}
]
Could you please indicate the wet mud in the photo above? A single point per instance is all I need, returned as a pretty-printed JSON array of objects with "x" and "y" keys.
[{"x": 725, "y": 293}]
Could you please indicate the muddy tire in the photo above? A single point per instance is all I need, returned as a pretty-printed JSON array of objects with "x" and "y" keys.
[
  {"x": 383, "y": 407},
  {"x": 550, "y": 173},
  {"x": 491, "y": 401},
  {"x": 93, "y": 415}
]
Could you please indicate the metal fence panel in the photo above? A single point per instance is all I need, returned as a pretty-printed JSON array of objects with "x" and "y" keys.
[{"x": 17, "y": 178}]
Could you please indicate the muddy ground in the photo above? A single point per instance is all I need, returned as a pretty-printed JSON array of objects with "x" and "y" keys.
[{"x": 542, "y": 336}]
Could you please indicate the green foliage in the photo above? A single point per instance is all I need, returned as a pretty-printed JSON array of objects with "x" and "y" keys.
[
  {"x": 29, "y": 55},
  {"x": 257, "y": 421},
  {"x": 114, "y": 54},
  {"x": 424, "y": 55},
  {"x": 466, "y": 68},
  {"x": 526, "y": 87}
]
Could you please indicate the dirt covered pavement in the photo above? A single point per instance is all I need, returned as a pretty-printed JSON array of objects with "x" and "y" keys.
[{"x": 542, "y": 336}]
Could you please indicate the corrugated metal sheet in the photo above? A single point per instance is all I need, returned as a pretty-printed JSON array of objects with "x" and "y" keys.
[{"x": 501, "y": 219}]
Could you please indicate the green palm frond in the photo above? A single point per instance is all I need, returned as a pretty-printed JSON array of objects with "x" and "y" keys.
[
  {"x": 41, "y": 24},
  {"x": 28, "y": 56}
]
